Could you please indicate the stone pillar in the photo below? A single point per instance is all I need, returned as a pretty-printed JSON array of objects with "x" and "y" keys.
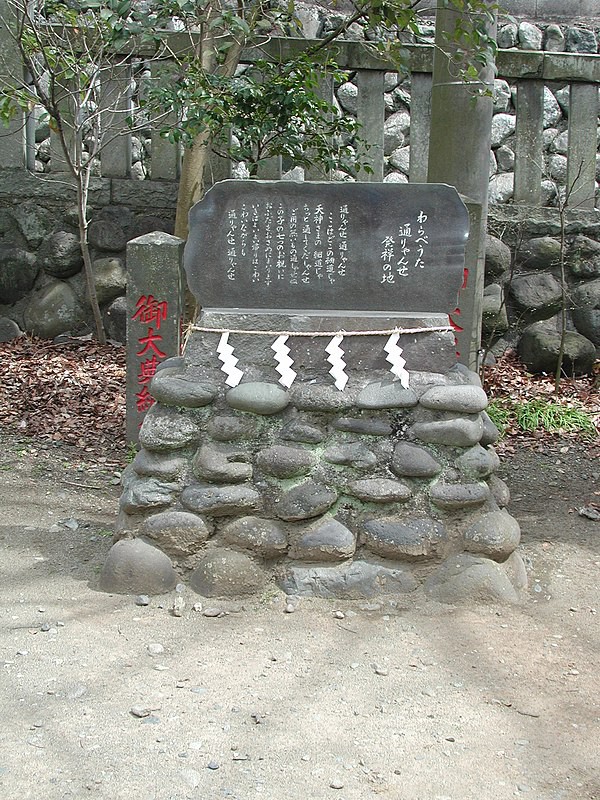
[
  {"x": 466, "y": 320},
  {"x": 420, "y": 124},
  {"x": 154, "y": 315},
  {"x": 12, "y": 138},
  {"x": 459, "y": 146},
  {"x": 529, "y": 157},
  {"x": 581, "y": 167},
  {"x": 371, "y": 116}
]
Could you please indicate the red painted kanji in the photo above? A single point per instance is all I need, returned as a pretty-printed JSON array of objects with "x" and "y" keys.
[
  {"x": 144, "y": 400},
  {"x": 150, "y": 310},
  {"x": 149, "y": 343},
  {"x": 147, "y": 370}
]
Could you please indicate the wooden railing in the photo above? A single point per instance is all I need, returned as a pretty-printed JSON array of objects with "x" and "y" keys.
[{"x": 528, "y": 71}]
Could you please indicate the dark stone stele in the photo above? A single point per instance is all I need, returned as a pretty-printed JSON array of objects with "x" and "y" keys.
[{"x": 336, "y": 234}]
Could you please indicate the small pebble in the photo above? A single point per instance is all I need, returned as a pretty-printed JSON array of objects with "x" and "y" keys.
[
  {"x": 155, "y": 649},
  {"x": 45, "y": 627},
  {"x": 339, "y": 615},
  {"x": 336, "y": 785},
  {"x": 197, "y": 607},
  {"x": 142, "y": 600},
  {"x": 379, "y": 670},
  {"x": 212, "y": 765},
  {"x": 370, "y": 607},
  {"x": 178, "y": 606},
  {"x": 42, "y": 610},
  {"x": 289, "y": 609},
  {"x": 180, "y": 588},
  {"x": 212, "y": 612},
  {"x": 139, "y": 711}
]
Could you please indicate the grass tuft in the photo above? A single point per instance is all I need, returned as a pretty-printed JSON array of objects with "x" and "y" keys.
[{"x": 540, "y": 415}]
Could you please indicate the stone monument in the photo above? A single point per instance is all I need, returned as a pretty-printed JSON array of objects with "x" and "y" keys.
[{"x": 318, "y": 433}]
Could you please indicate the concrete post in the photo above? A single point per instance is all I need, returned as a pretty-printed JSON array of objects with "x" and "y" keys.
[
  {"x": 154, "y": 313},
  {"x": 459, "y": 150}
]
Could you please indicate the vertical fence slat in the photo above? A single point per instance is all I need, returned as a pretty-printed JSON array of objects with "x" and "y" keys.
[
  {"x": 420, "y": 124},
  {"x": 371, "y": 116},
  {"x": 270, "y": 169},
  {"x": 218, "y": 168},
  {"x": 58, "y": 161},
  {"x": 581, "y": 164},
  {"x": 12, "y": 137},
  {"x": 166, "y": 156},
  {"x": 529, "y": 153},
  {"x": 115, "y": 107},
  {"x": 314, "y": 172},
  {"x": 30, "y": 148}
]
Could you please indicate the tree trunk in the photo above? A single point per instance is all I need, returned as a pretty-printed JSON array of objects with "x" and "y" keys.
[
  {"x": 191, "y": 183},
  {"x": 195, "y": 158},
  {"x": 87, "y": 260}
]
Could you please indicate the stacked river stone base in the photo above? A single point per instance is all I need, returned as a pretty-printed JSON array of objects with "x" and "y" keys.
[{"x": 373, "y": 490}]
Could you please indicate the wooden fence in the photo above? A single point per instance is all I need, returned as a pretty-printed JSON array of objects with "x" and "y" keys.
[{"x": 528, "y": 71}]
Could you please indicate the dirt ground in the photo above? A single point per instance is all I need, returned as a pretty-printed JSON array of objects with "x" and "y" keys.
[{"x": 407, "y": 700}]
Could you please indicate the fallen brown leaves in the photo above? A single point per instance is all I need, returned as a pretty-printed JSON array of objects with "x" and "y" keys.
[
  {"x": 508, "y": 378},
  {"x": 72, "y": 392}
]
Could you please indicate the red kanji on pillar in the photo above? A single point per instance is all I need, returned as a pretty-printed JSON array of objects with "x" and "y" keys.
[
  {"x": 147, "y": 370},
  {"x": 143, "y": 400},
  {"x": 150, "y": 310},
  {"x": 149, "y": 343}
]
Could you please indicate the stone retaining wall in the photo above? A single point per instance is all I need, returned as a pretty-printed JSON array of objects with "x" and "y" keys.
[
  {"x": 371, "y": 490},
  {"x": 42, "y": 284},
  {"x": 523, "y": 295}
]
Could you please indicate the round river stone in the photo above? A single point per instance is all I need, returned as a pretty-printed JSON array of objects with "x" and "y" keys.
[
  {"x": 309, "y": 499},
  {"x": 259, "y": 398}
]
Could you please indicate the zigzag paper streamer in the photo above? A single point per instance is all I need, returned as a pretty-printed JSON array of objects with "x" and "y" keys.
[
  {"x": 338, "y": 365},
  {"x": 395, "y": 359},
  {"x": 284, "y": 362},
  {"x": 225, "y": 351}
]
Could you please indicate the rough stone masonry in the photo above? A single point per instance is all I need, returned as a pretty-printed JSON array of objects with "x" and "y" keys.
[{"x": 318, "y": 433}]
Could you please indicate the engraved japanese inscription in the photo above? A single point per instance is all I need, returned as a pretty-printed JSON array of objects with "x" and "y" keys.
[{"x": 327, "y": 246}]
